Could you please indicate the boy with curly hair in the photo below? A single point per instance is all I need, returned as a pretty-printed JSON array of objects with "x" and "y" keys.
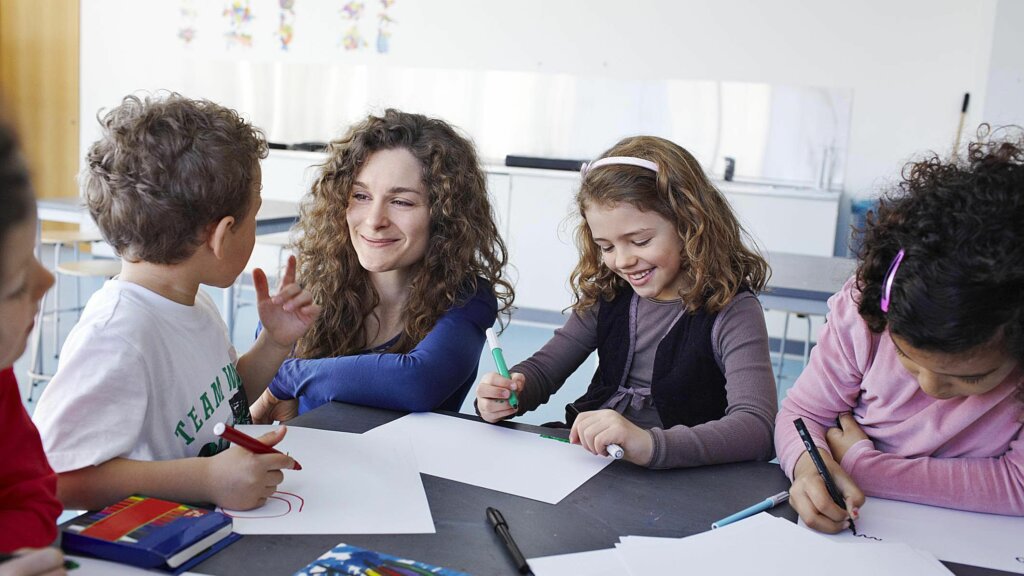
[{"x": 174, "y": 186}]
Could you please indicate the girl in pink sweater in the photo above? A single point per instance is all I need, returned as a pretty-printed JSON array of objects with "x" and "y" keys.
[{"x": 915, "y": 390}]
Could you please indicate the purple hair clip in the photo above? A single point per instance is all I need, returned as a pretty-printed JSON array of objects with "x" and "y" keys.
[{"x": 887, "y": 283}]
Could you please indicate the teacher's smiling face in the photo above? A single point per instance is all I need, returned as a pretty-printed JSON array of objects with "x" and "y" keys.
[{"x": 388, "y": 212}]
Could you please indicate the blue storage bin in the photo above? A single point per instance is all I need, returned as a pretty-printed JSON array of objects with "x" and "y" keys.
[{"x": 858, "y": 218}]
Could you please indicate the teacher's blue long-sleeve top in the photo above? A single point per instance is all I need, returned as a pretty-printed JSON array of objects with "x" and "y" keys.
[{"x": 435, "y": 375}]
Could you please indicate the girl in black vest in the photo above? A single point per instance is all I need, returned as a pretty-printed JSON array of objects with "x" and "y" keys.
[{"x": 664, "y": 293}]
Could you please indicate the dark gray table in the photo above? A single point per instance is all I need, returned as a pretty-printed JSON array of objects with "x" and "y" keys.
[
  {"x": 621, "y": 500},
  {"x": 802, "y": 284}
]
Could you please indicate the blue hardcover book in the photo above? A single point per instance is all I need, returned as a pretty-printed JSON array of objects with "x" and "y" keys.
[
  {"x": 149, "y": 533},
  {"x": 356, "y": 561}
]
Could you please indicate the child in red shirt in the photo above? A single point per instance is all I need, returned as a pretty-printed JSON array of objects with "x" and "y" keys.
[{"x": 28, "y": 486}]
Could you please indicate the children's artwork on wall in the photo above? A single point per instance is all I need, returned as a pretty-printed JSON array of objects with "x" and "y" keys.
[
  {"x": 189, "y": 16},
  {"x": 239, "y": 16},
  {"x": 286, "y": 25},
  {"x": 349, "y": 484},
  {"x": 352, "y": 39},
  {"x": 384, "y": 32}
]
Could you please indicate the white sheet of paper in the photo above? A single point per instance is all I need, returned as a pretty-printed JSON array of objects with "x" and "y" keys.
[
  {"x": 349, "y": 484},
  {"x": 972, "y": 538},
  {"x": 594, "y": 563},
  {"x": 481, "y": 454},
  {"x": 765, "y": 545},
  {"x": 95, "y": 567}
]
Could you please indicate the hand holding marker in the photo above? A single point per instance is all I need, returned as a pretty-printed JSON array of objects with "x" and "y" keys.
[
  {"x": 499, "y": 361},
  {"x": 613, "y": 450},
  {"x": 248, "y": 442},
  {"x": 830, "y": 483}
]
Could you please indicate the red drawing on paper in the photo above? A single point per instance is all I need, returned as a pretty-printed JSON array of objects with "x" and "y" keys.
[{"x": 278, "y": 504}]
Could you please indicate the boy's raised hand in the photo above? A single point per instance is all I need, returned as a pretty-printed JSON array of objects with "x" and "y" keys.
[
  {"x": 287, "y": 315},
  {"x": 241, "y": 480},
  {"x": 492, "y": 395},
  {"x": 596, "y": 429}
]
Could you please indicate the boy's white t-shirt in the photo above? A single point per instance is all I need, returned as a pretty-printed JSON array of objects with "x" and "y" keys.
[{"x": 140, "y": 377}]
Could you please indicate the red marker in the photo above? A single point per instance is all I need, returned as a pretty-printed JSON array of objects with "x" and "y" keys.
[{"x": 251, "y": 444}]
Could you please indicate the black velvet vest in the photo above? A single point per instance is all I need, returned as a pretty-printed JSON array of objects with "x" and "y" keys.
[{"x": 687, "y": 386}]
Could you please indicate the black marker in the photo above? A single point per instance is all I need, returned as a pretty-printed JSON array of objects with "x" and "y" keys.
[
  {"x": 830, "y": 484},
  {"x": 501, "y": 528}
]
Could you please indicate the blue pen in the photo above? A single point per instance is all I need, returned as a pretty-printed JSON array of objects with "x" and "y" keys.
[
  {"x": 761, "y": 506},
  {"x": 499, "y": 361}
]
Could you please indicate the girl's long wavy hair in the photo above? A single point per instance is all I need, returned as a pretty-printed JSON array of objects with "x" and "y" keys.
[
  {"x": 716, "y": 263},
  {"x": 464, "y": 244},
  {"x": 961, "y": 226}
]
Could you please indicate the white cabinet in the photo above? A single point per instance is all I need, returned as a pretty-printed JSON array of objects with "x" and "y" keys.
[
  {"x": 537, "y": 218},
  {"x": 541, "y": 223},
  {"x": 798, "y": 221}
]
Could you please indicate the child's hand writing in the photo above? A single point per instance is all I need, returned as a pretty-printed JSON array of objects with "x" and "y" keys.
[
  {"x": 241, "y": 480},
  {"x": 492, "y": 395},
  {"x": 268, "y": 408},
  {"x": 597, "y": 429},
  {"x": 41, "y": 562},
  {"x": 287, "y": 315},
  {"x": 840, "y": 440},
  {"x": 809, "y": 497}
]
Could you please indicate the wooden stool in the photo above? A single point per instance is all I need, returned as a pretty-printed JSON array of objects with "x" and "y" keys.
[
  {"x": 102, "y": 268},
  {"x": 58, "y": 239}
]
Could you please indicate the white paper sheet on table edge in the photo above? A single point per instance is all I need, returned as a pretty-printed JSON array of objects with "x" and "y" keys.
[
  {"x": 96, "y": 567},
  {"x": 641, "y": 555},
  {"x": 951, "y": 548},
  {"x": 407, "y": 506},
  {"x": 565, "y": 467},
  {"x": 604, "y": 562}
]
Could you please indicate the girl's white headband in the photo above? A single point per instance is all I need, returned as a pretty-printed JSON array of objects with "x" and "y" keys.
[{"x": 617, "y": 160}]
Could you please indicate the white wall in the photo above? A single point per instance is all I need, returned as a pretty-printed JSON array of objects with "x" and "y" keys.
[
  {"x": 908, "y": 62},
  {"x": 1004, "y": 93}
]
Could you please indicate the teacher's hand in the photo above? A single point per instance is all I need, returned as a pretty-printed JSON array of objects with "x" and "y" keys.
[{"x": 268, "y": 408}]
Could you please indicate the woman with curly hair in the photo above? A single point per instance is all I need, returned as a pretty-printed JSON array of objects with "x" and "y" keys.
[
  {"x": 397, "y": 243},
  {"x": 914, "y": 391},
  {"x": 664, "y": 291}
]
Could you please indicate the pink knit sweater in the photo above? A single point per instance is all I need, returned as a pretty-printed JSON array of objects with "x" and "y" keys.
[{"x": 965, "y": 453}]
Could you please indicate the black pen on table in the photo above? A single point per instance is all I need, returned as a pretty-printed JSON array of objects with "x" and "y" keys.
[
  {"x": 830, "y": 484},
  {"x": 501, "y": 529}
]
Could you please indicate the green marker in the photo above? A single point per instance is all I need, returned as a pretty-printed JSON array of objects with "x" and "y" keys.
[
  {"x": 499, "y": 361},
  {"x": 559, "y": 438}
]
